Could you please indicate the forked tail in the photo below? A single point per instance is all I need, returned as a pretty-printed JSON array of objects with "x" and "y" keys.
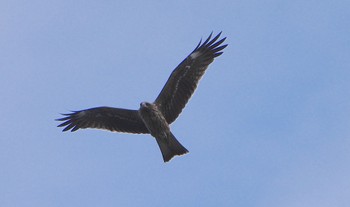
[{"x": 170, "y": 147}]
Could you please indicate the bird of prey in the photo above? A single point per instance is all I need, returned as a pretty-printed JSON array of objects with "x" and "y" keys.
[{"x": 154, "y": 118}]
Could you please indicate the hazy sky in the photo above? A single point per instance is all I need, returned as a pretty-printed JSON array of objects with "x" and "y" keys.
[{"x": 269, "y": 124}]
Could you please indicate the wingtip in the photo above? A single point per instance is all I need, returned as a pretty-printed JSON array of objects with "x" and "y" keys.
[
  {"x": 65, "y": 129},
  {"x": 219, "y": 34},
  {"x": 66, "y": 121},
  {"x": 199, "y": 44},
  {"x": 209, "y": 40}
]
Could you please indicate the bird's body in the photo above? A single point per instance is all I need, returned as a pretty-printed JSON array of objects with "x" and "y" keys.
[
  {"x": 159, "y": 129},
  {"x": 154, "y": 118}
]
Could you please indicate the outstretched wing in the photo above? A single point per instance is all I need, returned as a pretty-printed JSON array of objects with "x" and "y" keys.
[
  {"x": 184, "y": 79},
  {"x": 112, "y": 119}
]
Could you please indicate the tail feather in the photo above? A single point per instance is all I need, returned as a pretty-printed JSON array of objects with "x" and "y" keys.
[{"x": 171, "y": 147}]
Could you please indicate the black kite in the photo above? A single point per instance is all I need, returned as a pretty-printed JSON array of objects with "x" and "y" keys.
[{"x": 154, "y": 118}]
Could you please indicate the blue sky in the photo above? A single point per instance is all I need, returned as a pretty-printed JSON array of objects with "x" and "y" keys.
[{"x": 269, "y": 124}]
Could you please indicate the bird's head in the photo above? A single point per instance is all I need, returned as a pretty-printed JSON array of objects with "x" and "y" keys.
[{"x": 145, "y": 105}]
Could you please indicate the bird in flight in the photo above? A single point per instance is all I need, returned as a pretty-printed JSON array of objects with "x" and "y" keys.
[{"x": 154, "y": 118}]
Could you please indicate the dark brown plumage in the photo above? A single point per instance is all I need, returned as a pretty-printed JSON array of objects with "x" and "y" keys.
[
  {"x": 184, "y": 79},
  {"x": 154, "y": 118}
]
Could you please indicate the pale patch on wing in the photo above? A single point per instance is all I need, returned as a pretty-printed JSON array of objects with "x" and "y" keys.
[
  {"x": 179, "y": 81},
  {"x": 81, "y": 113},
  {"x": 195, "y": 55}
]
